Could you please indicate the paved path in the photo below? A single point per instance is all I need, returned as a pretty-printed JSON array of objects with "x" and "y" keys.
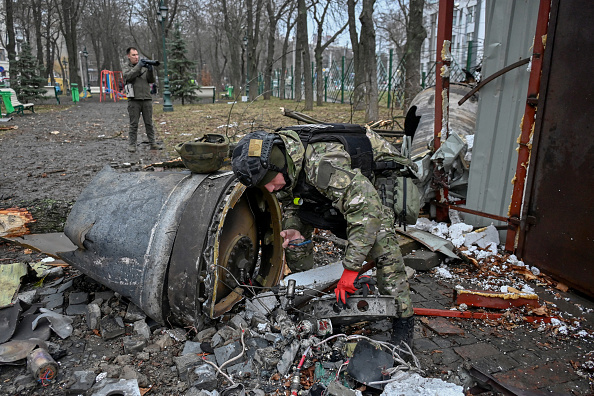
[{"x": 527, "y": 356}]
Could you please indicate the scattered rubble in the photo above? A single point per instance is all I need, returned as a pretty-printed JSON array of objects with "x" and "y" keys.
[{"x": 104, "y": 344}]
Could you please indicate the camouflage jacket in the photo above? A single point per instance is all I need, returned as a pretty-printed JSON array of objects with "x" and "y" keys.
[
  {"x": 327, "y": 167},
  {"x": 140, "y": 77}
]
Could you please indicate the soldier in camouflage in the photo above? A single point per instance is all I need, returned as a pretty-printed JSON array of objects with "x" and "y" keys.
[{"x": 369, "y": 225}]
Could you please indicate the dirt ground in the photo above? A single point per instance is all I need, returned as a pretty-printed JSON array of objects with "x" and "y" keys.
[{"x": 55, "y": 154}]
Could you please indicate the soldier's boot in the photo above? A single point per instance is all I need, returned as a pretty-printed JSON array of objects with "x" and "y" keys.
[{"x": 402, "y": 331}]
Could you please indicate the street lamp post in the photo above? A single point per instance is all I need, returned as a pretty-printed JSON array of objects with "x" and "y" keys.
[
  {"x": 86, "y": 55},
  {"x": 167, "y": 105},
  {"x": 247, "y": 66}
]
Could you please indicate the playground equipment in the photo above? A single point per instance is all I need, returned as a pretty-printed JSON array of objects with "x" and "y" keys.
[{"x": 112, "y": 83}]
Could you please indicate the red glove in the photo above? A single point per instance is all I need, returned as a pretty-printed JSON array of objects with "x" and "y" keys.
[{"x": 345, "y": 285}]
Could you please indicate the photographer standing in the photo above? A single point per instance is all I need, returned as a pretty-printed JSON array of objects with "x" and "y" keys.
[{"x": 137, "y": 76}]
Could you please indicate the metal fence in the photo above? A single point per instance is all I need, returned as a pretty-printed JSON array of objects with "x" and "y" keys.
[{"x": 339, "y": 81}]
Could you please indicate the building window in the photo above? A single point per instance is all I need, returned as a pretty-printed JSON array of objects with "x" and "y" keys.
[
  {"x": 455, "y": 19},
  {"x": 470, "y": 14}
]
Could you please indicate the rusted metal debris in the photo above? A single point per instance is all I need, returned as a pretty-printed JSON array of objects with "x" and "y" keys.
[
  {"x": 476, "y": 315},
  {"x": 495, "y": 299},
  {"x": 14, "y": 222}
]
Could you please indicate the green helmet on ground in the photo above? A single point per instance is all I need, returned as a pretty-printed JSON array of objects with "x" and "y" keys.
[{"x": 205, "y": 154}]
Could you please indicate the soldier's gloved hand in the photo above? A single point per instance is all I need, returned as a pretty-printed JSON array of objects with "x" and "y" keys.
[
  {"x": 143, "y": 62},
  {"x": 149, "y": 67},
  {"x": 345, "y": 285},
  {"x": 366, "y": 283}
]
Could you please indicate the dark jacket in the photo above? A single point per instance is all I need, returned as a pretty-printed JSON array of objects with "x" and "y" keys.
[{"x": 140, "y": 77}]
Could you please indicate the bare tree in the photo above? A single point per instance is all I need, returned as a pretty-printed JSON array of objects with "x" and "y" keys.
[
  {"x": 254, "y": 14},
  {"x": 303, "y": 54},
  {"x": 275, "y": 13},
  {"x": 415, "y": 35},
  {"x": 50, "y": 33},
  {"x": 11, "y": 42},
  {"x": 102, "y": 22},
  {"x": 289, "y": 27},
  {"x": 320, "y": 13},
  {"x": 358, "y": 62},
  {"x": 69, "y": 12},
  {"x": 370, "y": 65},
  {"x": 403, "y": 27},
  {"x": 231, "y": 20}
]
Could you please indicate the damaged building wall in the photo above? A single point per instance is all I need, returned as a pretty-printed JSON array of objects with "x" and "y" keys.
[{"x": 509, "y": 35}]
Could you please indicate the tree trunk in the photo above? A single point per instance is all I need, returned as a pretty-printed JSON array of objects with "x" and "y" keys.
[
  {"x": 318, "y": 51},
  {"x": 357, "y": 98},
  {"x": 302, "y": 43},
  {"x": 253, "y": 35},
  {"x": 234, "y": 49},
  {"x": 370, "y": 64},
  {"x": 69, "y": 11},
  {"x": 11, "y": 43},
  {"x": 273, "y": 19},
  {"x": 415, "y": 34},
  {"x": 298, "y": 64},
  {"x": 36, "y": 5}
]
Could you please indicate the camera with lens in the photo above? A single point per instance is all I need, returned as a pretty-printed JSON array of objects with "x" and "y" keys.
[{"x": 151, "y": 62}]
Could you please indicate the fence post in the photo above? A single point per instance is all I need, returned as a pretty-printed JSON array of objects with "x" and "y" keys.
[
  {"x": 423, "y": 80},
  {"x": 469, "y": 56},
  {"x": 325, "y": 88},
  {"x": 390, "y": 78},
  {"x": 292, "y": 84},
  {"x": 342, "y": 83}
]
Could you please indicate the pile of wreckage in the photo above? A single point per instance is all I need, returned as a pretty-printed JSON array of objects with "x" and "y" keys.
[
  {"x": 268, "y": 344},
  {"x": 290, "y": 338}
]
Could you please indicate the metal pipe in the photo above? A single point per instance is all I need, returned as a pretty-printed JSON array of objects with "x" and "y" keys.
[
  {"x": 442, "y": 83},
  {"x": 471, "y": 211},
  {"x": 527, "y": 123}
]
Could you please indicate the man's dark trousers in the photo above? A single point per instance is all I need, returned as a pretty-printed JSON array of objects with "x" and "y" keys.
[{"x": 135, "y": 107}]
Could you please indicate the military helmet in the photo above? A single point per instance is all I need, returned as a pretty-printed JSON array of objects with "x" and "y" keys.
[
  {"x": 257, "y": 158},
  {"x": 205, "y": 154}
]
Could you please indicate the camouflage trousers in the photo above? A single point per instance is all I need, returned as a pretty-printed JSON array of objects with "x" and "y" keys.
[
  {"x": 390, "y": 271},
  {"x": 135, "y": 107}
]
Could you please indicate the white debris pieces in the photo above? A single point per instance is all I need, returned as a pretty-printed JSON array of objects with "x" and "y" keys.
[
  {"x": 493, "y": 269},
  {"x": 412, "y": 384}
]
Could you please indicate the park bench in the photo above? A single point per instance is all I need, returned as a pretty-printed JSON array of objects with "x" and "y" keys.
[
  {"x": 208, "y": 93},
  {"x": 12, "y": 103}
]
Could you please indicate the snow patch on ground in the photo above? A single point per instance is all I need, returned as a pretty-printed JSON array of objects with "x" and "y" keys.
[{"x": 407, "y": 384}]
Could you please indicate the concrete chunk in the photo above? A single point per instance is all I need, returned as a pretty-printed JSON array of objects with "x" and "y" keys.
[
  {"x": 109, "y": 386},
  {"x": 84, "y": 381},
  {"x": 93, "y": 316},
  {"x": 78, "y": 298},
  {"x": 133, "y": 313},
  {"x": 483, "y": 237},
  {"x": 287, "y": 359},
  {"x": 142, "y": 328},
  {"x": 191, "y": 347},
  {"x": 79, "y": 309},
  {"x": 204, "y": 377},
  {"x": 227, "y": 352},
  {"x": 185, "y": 363},
  {"x": 134, "y": 344},
  {"x": 110, "y": 328},
  {"x": 422, "y": 260}
]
